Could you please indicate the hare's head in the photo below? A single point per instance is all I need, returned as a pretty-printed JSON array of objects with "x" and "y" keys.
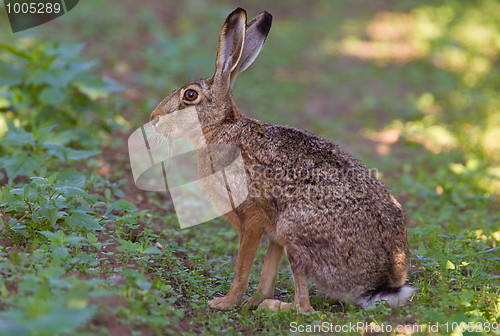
[{"x": 212, "y": 98}]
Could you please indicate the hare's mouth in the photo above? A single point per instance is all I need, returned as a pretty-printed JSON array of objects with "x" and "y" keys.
[{"x": 155, "y": 125}]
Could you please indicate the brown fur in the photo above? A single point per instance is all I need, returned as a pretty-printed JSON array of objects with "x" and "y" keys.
[{"x": 338, "y": 224}]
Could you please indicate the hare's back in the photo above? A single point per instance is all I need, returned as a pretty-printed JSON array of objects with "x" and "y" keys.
[{"x": 301, "y": 169}]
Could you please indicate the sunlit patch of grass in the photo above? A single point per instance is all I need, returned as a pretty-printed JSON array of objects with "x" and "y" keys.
[{"x": 461, "y": 39}]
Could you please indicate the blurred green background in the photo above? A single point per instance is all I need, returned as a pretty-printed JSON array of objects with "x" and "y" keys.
[
  {"x": 412, "y": 88},
  {"x": 371, "y": 75}
]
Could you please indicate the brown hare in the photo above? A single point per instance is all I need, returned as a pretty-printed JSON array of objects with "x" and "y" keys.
[{"x": 336, "y": 222}]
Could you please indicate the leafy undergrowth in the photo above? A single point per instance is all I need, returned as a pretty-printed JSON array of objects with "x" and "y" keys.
[
  {"x": 84, "y": 252},
  {"x": 83, "y": 262}
]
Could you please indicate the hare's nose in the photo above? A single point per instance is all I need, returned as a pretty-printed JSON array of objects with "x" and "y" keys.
[{"x": 154, "y": 115}]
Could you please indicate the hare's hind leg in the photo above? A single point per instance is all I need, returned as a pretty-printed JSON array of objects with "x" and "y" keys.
[
  {"x": 301, "y": 301},
  {"x": 268, "y": 274},
  {"x": 301, "y": 290}
]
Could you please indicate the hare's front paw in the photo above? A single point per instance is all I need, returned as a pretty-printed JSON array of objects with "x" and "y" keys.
[
  {"x": 222, "y": 303},
  {"x": 253, "y": 301}
]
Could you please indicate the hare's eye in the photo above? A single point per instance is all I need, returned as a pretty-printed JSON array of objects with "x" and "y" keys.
[{"x": 190, "y": 95}]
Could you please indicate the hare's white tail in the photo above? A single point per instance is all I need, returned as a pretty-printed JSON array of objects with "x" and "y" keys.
[{"x": 395, "y": 296}]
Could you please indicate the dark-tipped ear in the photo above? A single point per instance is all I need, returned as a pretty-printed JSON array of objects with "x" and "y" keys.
[
  {"x": 255, "y": 36},
  {"x": 231, "y": 41}
]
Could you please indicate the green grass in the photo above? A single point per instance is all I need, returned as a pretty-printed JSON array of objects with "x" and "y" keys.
[{"x": 83, "y": 252}]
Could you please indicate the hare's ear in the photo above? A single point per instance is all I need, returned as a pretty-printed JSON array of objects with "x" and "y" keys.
[
  {"x": 255, "y": 36},
  {"x": 231, "y": 40}
]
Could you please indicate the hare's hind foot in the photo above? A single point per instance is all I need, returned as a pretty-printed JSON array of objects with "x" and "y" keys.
[
  {"x": 266, "y": 285},
  {"x": 277, "y": 305}
]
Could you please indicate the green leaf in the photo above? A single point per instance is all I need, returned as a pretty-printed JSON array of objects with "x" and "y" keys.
[
  {"x": 4, "y": 195},
  {"x": 66, "y": 52},
  {"x": 126, "y": 245},
  {"x": 490, "y": 250},
  {"x": 78, "y": 154},
  {"x": 119, "y": 193},
  {"x": 51, "y": 96},
  {"x": 74, "y": 240},
  {"x": 144, "y": 285},
  {"x": 26, "y": 190},
  {"x": 20, "y": 165},
  {"x": 91, "y": 237},
  {"x": 152, "y": 250},
  {"x": 52, "y": 178},
  {"x": 80, "y": 67},
  {"x": 449, "y": 265},
  {"x": 422, "y": 250},
  {"x": 96, "y": 87},
  {"x": 77, "y": 298},
  {"x": 59, "y": 77},
  {"x": 70, "y": 177},
  {"x": 67, "y": 153},
  {"x": 109, "y": 208},
  {"x": 17, "y": 136},
  {"x": 92, "y": 92},
  {"x": 123, "y": 205},
  {"x": 15, "y": 51},
  {"x": 11, "y": 74},
  {"x": 69, "y": 192},
  {"x": 57, "y": 238},
  {"x": 43, "y": 133},
  {"x": 56, "y": 150},
  {"x": 50, "y": 212},
  {"x": 81, "y": 219},
  {"x": 5, "y": 101}
]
